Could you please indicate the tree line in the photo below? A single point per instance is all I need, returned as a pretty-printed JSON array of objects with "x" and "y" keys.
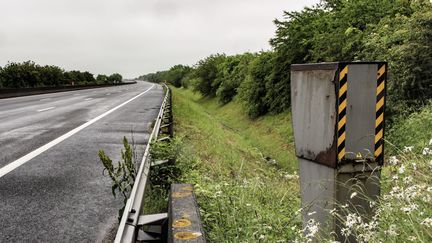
[
  {"x": 396, "y": 31},
  {"x": 31, "y": 75}
]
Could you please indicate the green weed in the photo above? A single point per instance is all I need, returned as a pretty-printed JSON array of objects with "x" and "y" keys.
[{"x": 122, "y": 173}]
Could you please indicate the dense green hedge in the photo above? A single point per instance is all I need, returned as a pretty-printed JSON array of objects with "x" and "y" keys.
[
  {"x": 31, "y": 75},
  {"x": 396, "y": 31}
]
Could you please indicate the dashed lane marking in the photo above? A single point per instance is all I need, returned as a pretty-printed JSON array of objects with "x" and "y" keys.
[
  {"x": 46, "y": 109},
  {"x": 17, "y": 163}
]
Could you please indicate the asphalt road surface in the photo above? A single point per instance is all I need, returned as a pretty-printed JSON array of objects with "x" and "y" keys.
[{"x": 52, "y": 188}]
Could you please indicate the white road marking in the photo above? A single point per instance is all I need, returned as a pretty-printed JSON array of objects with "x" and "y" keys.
[
  {"x": 17, "y": 163},
  {"x": 46, "y": 109},
  {"x": 89, "y": 99},
  {"x": 108, "y": 94},
  {"x": 45, "y": 99}
]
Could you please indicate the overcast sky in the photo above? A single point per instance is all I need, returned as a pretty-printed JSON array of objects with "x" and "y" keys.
[{"x": 134, "y": 37}]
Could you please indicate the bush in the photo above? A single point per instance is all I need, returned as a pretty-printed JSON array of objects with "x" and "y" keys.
[
  {"x": 176, "y": 74},
  {"x": 21, "y": 75},
  {"x": 404, "y": 41},
  {"x": 30, "y": 75},
  {"x": 253, "y": 90},
  {"x": 207, "y": 75},
  {"x": 396, "y": 31},
  {"x": 115, "y": 78},
  {"x": 232, "y": 72}
]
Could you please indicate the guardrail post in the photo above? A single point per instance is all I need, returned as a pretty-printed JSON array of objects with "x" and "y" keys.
[{"x": 338, "y": 123}]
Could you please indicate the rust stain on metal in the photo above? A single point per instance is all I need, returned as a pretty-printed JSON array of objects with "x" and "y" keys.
[
  {"x": 181, "y": 223},
  {"x": 181, "y": 194},
  {"x": 328, "y": 157},
  {"x": 187, "y": 235}
]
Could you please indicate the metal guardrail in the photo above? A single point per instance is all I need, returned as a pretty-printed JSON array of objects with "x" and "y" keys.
[{"x": 132, "y": 219}]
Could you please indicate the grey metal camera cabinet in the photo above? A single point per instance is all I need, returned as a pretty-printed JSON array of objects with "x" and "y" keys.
[{"x": 338, "y": 122}]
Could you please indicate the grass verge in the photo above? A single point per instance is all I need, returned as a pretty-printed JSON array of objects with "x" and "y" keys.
[{"x": 243, "y": 170}]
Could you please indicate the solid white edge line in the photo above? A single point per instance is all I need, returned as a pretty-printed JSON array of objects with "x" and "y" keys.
[
  {"x": 17, "y": 163},
  {"x": 49, "y": 108}
]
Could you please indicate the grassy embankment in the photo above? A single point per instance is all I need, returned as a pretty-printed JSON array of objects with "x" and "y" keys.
[
  {"x": 244, "y": 171},
  {"x": 245, "y": 176}
]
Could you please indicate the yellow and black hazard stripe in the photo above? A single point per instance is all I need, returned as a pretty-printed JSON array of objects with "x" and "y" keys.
[
  {"x": 380, "y": 105},
  {"x": 342, "y": 104}
]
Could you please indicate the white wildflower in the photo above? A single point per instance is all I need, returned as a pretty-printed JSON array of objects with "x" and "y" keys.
[
  {"x": 346, "y": 231},
  {"x": 333, "y": 211},
  {"x": 393, "y": 160},
  {"x": 371, "y": 204},
  {"x": 395, "y": 190},
  {"x": 427, "y": 151},
  {"x": 290, "y": 177},
  {"x": 311, "y": 213},
  {"x": 414, "y": 166},
  {"x": 395, "y": 177},
  {"x": 352, "y": 219},
  {"x": 401, "y": 169},
  {"x": 410, "y": 208},
  {"x": 408, "y": 148},
  {"x": 412, "y": 238},
  {"x": 248, "y": 204},
  {"x": 353, "y": 194},
  {"x": 406, "y": 209},
  {"x": 392, "y": 230},
  {"x": 311, "y": 228},
  {"x": 312, "y": 231},
  {"x": 427, "y": 222},
  {"x": 411, "y": 191},
  {"x": 430, "y": 141},
  {"x": 261, "y": 237},
  {"x": 408, "y": 180}
]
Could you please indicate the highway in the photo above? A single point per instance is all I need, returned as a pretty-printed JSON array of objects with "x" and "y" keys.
[{"x": 52, "y": 187}]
